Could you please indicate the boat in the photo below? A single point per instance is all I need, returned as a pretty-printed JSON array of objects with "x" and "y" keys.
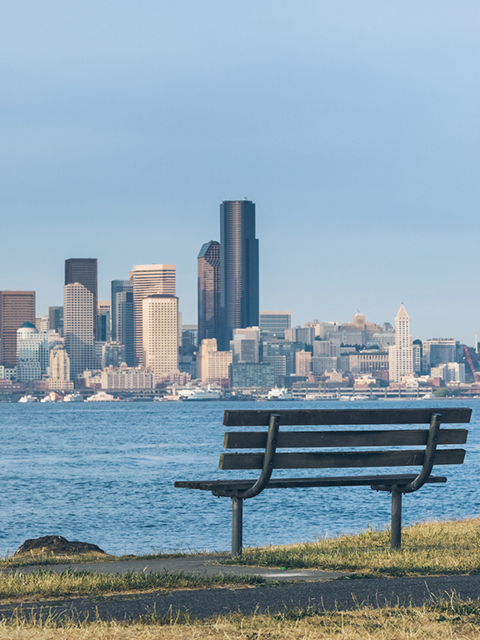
[
  {"x": 279, "y": 394},
  {"x": 28, "y": 399},
  {"x": 101, "y": 396},
  {"x": 359, "y": 397},
  {"x": 189, "y": 395},
  {"x": 73, "y": 397},
  {"x": 51, "y": 397}
]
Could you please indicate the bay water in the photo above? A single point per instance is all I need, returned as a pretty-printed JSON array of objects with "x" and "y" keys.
[{"x": 104, "y": 473}]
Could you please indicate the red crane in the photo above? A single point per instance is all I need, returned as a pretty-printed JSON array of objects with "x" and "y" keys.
[{"x": 470, "y": 362}]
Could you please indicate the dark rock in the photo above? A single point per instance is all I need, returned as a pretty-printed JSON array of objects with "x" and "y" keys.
[{"x": 56, "y": 545}]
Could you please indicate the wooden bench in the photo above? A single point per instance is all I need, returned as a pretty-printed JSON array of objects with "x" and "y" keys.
[{"x": 425, "y": 455}]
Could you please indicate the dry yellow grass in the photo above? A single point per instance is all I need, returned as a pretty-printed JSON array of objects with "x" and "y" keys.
[
  {"x": 447, "y": 620},
  {"x": 431, "y": 548}
]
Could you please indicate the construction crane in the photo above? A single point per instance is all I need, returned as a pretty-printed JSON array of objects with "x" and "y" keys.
[{"x": 476, "y": 377}]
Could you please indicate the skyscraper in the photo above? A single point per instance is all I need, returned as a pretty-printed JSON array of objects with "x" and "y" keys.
[
  {"x": 400, "y": 355},
  {"x": 117, "y": 287},
  {"x": 160, "y": 334},
  {"x": 124, "y": 320},
  {"x": 55, "y": 319},
  {"x": 208, "y": 266},
  {"x": 148, "y": 279},
  {"x": 78, "y": 305},
  {"x": 16, "y": 307},
  {"x": 84, "y": 271},
  {"x": 239, "y": 278}
]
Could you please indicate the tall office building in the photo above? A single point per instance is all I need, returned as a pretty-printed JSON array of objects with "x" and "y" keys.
[
  {"x": 117, "y": 287},
  {"x": 148, "y": 280},
  {"x": 103, "y": 321},
  {"x": 160, "y": 334},
  {"x": 208, "y": 268},
  {"x": 16, "y": 307},
  {"x": 239, "y": 277},
  {"x": 55, "y": 319},
  {"x": 84, "y": 271},
  {"x": 33, "y": 353},
  {"x": 400, "y": 355},
  {"x": 78, "y": 305},
  {"x": 124, "y": 321}
]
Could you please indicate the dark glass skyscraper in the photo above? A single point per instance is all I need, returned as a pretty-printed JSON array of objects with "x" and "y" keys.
[
  {"x": 208, "y": 263},
  {"x": 84, "y": 271},
  {"x": 239, "y": 277},
  {"x": 117, "y": 287}
]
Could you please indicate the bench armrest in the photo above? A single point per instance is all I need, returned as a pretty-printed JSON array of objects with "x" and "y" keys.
[
  {"x": 428, "y": 461},
  {"x": 267, "y": 468},
  {"x": 429, "y": 456}
]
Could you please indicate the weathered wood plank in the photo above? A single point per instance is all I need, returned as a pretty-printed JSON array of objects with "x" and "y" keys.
[
  {"x": 292, "y": 483},
  {"x": 314, "y": 417},
  {"x": 339, "y": 460},
  {"x": 307, "y": 439}
]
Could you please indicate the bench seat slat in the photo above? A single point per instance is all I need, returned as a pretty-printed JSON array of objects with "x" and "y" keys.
[
  {"x": 285, "y": 483},
  {"x": 342, "y": 439},
  {"x": 342, "y": 459},
  {"x": 315, "y": 417}
]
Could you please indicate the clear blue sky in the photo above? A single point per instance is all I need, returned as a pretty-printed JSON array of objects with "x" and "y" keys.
[{"x": 353, "y": 126}]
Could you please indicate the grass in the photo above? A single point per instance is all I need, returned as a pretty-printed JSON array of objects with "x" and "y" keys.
[
  {"x": 46, "y": 559},
  {"x": 42, "y": 585},
  {"x": 428, "y": 549},
  {"x": 445, "y": 619}
]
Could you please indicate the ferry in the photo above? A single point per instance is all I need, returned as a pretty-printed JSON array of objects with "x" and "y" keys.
[
  {"x": 188, "y": 395},
  {"x": 28, "y": 399},
  {"x": 101, "y": 396},
  {"x": 279, "y": 394},
  {"x": 73, "y": 397}
]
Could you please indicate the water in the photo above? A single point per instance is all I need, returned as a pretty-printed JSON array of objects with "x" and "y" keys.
[{"x": 104, "y": 473}]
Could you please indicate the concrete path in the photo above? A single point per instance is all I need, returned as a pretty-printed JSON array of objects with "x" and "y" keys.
[
  {"x": 205, "y": 565},
  {"x": 316, "y": 589}
]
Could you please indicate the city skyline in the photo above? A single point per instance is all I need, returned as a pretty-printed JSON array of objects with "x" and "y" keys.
[{"x": 351, "y": 126}]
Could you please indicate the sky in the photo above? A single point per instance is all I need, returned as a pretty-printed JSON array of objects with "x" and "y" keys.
[{"x": 353, "y": 126}]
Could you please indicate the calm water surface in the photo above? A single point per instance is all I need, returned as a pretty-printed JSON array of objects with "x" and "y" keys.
[{"x": 104, "y": 473}]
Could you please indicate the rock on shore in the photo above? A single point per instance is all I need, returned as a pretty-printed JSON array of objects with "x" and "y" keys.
[{"x": 56, "y": 545}]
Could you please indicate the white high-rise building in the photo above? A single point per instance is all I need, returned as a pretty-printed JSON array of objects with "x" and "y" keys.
[
  {"x": 160, "y": 334},
  {"x": 32, "y": 353},
  {"x": 400, "y": 355},
  {"x": 78, "y": 318},
  {"x": 148, "y": 279}
]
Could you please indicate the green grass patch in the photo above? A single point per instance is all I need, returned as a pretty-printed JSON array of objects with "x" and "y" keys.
[{"x": 428, "y": 549}]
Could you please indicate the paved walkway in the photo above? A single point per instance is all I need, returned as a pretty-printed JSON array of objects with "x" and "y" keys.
[
  {"x": 316, "y": 589},
  {"x": 206, "y": 565}
]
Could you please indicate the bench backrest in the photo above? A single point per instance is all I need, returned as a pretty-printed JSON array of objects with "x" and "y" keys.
[{"x": 343, "y": 439}]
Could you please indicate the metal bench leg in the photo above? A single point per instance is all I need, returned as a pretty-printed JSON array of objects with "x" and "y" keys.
[
  {"x": 237, "y": 517},
  {"x": 396, "y": 526}
]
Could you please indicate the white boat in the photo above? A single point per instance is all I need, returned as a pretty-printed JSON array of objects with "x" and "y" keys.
[
  {"x": 279, "y": 394},
  {"x": 73, "y": 397},
  {"x": 359, "y": 396},
  {"x": 189, "y": 395},
  {"x": 28, "y": 399},
  {"x": 101, "y": 396},
  {"x": 49, "y": 398}
]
